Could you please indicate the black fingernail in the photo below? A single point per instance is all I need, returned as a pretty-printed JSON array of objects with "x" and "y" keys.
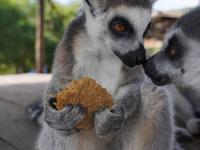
[
  {"x": 81, "y": 109},
  {"x": 53, "y": 106},
  {"x": 77, "y": 130},
  {"x": 78, "y": 105},
  {"x": 52, "y": 102},
  {"x": 48, "y": 122},
  {"x": 114, "y": 110},
  {"x": 102, "y": 109}
]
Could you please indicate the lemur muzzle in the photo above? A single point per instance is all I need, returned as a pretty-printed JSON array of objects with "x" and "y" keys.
[{"x": 133, "y": 58}]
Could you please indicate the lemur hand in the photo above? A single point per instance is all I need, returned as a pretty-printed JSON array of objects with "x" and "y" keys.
[
  {"x": 65, "y": 120},
  {"x": 108, "y": 121}
]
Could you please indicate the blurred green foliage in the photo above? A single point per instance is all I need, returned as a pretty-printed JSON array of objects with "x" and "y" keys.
[
  {"x": 153, "y": 50},
  {"x": 17, "y": 32}
]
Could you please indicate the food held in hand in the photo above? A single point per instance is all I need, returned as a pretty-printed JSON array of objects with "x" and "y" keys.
[{"x": 89, "y": 95}]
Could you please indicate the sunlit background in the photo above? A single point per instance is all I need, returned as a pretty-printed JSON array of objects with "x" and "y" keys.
[
  {"x": 21, "y": 84},
  {"x": 20, "y": 18},
  {"x": 163, "y": 5}
]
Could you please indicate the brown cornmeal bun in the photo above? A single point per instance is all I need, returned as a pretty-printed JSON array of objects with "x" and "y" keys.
[{"x": 88, "y": 94}]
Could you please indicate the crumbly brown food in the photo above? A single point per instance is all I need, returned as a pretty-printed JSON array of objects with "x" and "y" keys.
[{"x": 88, "y": 94}]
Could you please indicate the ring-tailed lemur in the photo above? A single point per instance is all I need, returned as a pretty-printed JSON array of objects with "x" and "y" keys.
[
  {"x": 105, "y": 43},
  {"x": 178, "y": 63}
]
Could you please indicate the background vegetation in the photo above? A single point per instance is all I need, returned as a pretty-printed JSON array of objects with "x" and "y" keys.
[{"x": 17, "y": 32}]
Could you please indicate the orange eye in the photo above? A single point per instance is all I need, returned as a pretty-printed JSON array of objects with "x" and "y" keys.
[
  {"x": 172, "y": 51},
  {"x": 119, "y": 27}
]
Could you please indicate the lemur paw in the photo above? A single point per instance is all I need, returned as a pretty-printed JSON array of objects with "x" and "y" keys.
[
  {"x": 193, "y": 126},
  {"x": 108, "y": 121},
  {"x": 34, "y": 111},
  {"x": 182, "y": 134},
  {"x": 65, "y": 120}
]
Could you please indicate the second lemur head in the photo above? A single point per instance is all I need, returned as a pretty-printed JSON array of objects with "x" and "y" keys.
[
  {"x": 178, "y": 61},
  {"x": 119, "y": 25}
]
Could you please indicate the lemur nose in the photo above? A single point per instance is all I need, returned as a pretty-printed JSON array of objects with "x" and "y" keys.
[
  {"x": 197, "y": 113},
  {"x": 141, "y": 55},
  {"x": 156, "y": 77},
  {"x": 163, "y": 79},
  {"x": 133, "y": 58}
]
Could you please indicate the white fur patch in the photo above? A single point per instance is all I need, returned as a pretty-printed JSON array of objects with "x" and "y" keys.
[{"x": 98, "y": 63}]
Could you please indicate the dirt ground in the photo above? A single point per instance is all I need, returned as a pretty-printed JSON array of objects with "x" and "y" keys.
[{"x": 17, "y": 131}]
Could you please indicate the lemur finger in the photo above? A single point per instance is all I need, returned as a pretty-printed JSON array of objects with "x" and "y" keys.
[
  {"x": 68, "y": 108},
  {"x": 75, "y": 116},
  {"x": 117, "y": 110},
  {"x": 107, "y": 123},
  {"x": 52, "y": 103},
  {"x": 66, "y": 119},
  {"x": 193, "y": 125},
  {"x": 182, "y": 134}
]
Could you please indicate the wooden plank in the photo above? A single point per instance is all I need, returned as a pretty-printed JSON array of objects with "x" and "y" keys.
[{"x": 39, "y": 42}]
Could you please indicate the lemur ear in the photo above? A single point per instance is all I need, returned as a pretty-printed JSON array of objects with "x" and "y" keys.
[
  {"x": 88, "y": 3},
  {"x": 153, "y": 1},
  {"x": 93, "y": 5}
]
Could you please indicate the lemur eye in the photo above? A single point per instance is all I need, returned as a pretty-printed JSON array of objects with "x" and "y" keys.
[
  {"x": 175, "y": 48},
  {"x": 172, "y": 51},
  {"x": 120, "y": 27}
]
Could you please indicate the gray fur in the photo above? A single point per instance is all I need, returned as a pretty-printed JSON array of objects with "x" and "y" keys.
[
  {"x": 191, "y": 21},
  {"x": 184, "y": 114},
  {"x": 110, "y": 3},
  {"x": 182, "y": 69},
  {"x": 69, "y": 117},
  {"x": 101, "y": 6},
  {"x": 141, "y": 118}
]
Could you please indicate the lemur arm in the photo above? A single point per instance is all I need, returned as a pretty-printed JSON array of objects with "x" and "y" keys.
[
  {"x": 128, "y": 97},
  {"x": 156, "y": 130},
  {"x": 62, "y": 121}
]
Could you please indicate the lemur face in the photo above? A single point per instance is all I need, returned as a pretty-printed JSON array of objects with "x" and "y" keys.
[
  {"x": 178, "y": 61},
  {"x": 124, "y": 34},
  {"x": 120, "y": 25},
  {"x": 168, "y": 65}
]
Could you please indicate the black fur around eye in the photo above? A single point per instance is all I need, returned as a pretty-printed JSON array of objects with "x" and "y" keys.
[
  {"x": 147, "y": 29},
  {"x": 120, "y": 27},
  {"x": 171, "y": 51},
  {"x": 174, "y": 48}
]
